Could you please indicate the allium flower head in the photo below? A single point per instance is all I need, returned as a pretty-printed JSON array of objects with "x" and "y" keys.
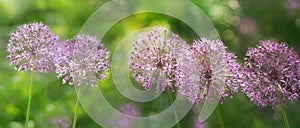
[
  {"x": 82, "y": 59},
  {"x": 61, "y": 54},
  {"x": 269, "y": 68},
  {"x": 29, "y": 46},
  {"x": 207, "y": 67},
  {"x": 153, "y": 60}
]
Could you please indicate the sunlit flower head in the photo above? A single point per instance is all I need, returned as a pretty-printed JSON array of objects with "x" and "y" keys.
[
  {"x": 82, "y": 59},
  {"x": 29, "y": 47},
  {"x": 153, "y": 59},
  {"x": 61, "y": 54},
  {"x": 270, "y": 68},
  {"x": 208, "y": 67}
]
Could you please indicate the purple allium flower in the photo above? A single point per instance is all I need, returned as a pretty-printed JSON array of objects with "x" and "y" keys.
[
  {"x": 153, "y": 58},
  {"x": 82, "y": 59},
  {"x": 61, "y": 55},
  {"x": 269, "y": 68},
  {"x": 208, "y": 66},
  {"x": 29, "y": 46}
]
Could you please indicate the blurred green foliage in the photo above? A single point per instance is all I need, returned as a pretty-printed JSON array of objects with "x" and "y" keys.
[{"x": 263, "y": 19}]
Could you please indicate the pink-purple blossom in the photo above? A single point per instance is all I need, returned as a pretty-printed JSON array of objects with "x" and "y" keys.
[
  {"x": 153, "y": 59},
  {"x": 207, "y": 67},
  {"x": 82, "y": 60},
  {"x": 29, "y": 47},
  {"x": 61, "y": 55},
  {"x": 271, "y": 67}
]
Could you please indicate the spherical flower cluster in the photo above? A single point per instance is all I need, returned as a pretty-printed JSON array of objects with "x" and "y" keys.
[
  {"x": 82, "y": 59},
  {"x": 208, "y": 67},
  {"x": 271, "y": 68},
  {"x": 61, "y": 54},
  {"x": 29, "y": 47},
  {"x": 153, "y": 58}
]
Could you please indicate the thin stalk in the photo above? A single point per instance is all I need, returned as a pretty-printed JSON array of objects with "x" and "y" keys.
[
  {"x": 285, "y": 119},
  {"x": 75, "y": 113},
  {"x": 29, "y": 97},
  {"x": 220, "y": 117},
  {"x": 174, "y": 110}
]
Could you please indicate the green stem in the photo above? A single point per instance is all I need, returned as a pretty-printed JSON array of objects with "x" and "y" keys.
[
  {"x": 285, "y": 119},
  {"x": 220, "y": 117},
  {"x": 29, "y": 97},
  {"x": 174, "y": 110},
  {"x": 75, "y": 113}
]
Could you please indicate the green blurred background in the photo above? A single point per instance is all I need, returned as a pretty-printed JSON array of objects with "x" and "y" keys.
[{"x": 240, "y": 24}]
